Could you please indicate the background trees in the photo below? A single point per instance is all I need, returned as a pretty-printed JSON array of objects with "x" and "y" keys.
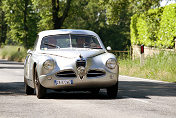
[
  {"x": 52, "y": 13},
  {"x": 21, "y": 20}
]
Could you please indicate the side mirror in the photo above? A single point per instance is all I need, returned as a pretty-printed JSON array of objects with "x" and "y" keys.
[{"x": 108, "y": 48}]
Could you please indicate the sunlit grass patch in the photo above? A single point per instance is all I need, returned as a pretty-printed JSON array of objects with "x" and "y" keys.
[
  {"x": 161, "y": 66},
  {"x": 13, "y": 53}
]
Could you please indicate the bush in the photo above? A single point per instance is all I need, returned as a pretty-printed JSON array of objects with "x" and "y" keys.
[
  {"x": 167, "y": 30},
  {"x": 156, "y": 27},
  {"x": 133, "y": 29}
]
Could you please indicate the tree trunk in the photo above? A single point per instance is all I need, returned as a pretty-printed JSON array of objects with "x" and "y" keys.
[
  {"x": 58, "y": 21},
  {"x": 3, "y": 28}
]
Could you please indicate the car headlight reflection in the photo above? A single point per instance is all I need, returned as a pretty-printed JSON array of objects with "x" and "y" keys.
[
  {"x": 48, "y": 65},
  {"x": 111, "y": 63}
]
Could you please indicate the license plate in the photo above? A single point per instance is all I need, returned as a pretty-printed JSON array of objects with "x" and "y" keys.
[{"x": 63, "y": 82}]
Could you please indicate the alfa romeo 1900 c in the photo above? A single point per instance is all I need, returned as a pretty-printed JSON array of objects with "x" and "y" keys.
[{"x": 70, "y": 60}]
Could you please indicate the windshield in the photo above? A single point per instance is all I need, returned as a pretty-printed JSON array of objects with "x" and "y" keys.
[{"x": 69, "y": 41}]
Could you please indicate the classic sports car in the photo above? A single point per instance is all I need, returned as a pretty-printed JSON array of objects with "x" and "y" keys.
[{"x": 68, "y": 59}]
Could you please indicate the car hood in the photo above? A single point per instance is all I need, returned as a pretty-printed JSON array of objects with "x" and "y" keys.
[{"x": 75, "y": 53}]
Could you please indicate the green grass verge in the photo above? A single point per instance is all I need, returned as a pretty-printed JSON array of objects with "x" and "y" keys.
[
  {"x": 159, "y": 67},
  {"x": 13, "y": 53}
]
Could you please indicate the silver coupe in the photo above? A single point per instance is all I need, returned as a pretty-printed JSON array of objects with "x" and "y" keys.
[{"x": 69, "y": 59}]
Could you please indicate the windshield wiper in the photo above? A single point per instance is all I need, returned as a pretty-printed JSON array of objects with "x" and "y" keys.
[{"x": 52, "y": 45}]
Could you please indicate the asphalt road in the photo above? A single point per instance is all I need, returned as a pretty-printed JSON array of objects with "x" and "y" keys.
[{"x": 137, "y": 98}]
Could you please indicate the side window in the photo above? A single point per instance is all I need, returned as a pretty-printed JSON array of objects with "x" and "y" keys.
[
  {"x": 94, "y": 39},
  {"x": 35, "y": 44}
]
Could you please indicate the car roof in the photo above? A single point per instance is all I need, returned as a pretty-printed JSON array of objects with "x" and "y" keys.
[{"x": 66, "y": 31}]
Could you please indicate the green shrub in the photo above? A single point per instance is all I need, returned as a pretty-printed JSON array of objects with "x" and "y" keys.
[
  {"x": 167, "y": 30},
  {"x": 156, "y": 27},
  {"x": 133, "y": 29}
]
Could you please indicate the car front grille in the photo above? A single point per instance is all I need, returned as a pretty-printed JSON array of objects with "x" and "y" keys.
[
  {"x": 95, "y": 73},
  {"x": 66, "y": 73},
  {"x": 80, "y": 63}
]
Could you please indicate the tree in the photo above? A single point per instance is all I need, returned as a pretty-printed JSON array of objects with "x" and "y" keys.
[
  {"x": 22, "y": 21},
  {"x": 58, "y": 21},
  {"x": 92, "y": 15},
  {"x": 140, "y": 6},
  {"x": 52, "y": 13},
  {"x": 119, "y": 12},
  {"x": 109, "y": 18}
]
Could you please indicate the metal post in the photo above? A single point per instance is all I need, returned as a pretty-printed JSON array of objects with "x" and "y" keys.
[{"x": 142, "y": 55}]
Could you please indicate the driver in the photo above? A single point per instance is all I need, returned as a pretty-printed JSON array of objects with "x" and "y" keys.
[{"x": 80, "y": 42}]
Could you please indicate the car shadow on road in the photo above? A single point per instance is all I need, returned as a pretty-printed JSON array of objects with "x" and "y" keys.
[
  {"x": 76, "y": 95},
  {"x": 3, "y": 61},
  {"x": 12, "y": 88},
  {"x": 11, "y": 67},
  {"x": 143, "y": 89},
  {"x": 127, "y": 89}
]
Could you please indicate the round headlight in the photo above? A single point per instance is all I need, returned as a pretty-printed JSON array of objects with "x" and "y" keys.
[
  {"x": 111, "y": 63},
  {"x": 48, "y": 64}
]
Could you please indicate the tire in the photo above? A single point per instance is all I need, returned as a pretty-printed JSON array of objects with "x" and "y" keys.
[
  {"x": 39, "y": 89},
  {"x": 28, "y": 89},
  {"x": 112, "y": 91},
  {"x": 95, "y": 91}
]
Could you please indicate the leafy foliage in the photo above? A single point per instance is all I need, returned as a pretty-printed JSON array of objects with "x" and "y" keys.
[
  {"x": 21, "y": 21},
  {"x": 93, "y": 15},
  {"x": 156, "y": 27},
  {"x": 109, "y": 18},
  {"x": 141, "y": 6},
  {"x": 43, "y": 7},
  {"x": 52, "y": 13},
  {"x": 167, "y": 31}
]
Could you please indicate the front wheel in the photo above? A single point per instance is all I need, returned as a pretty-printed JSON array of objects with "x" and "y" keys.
[
  {"x": 40, "y": 90},
  {"x": 95, "y": 91},
  {"x": 28, "y": 89},
  {"x": 112, "y": 91}
]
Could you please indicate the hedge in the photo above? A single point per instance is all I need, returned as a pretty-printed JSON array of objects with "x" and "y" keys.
[{"x": 156, "y": 27}]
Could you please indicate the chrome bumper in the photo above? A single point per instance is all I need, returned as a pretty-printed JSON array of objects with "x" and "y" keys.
[{"x": 107, "y": 80}]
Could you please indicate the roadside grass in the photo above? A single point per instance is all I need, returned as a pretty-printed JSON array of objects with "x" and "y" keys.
[
  {"x": 13, "y": 53},
  {"x": 160, "y": 66}
]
